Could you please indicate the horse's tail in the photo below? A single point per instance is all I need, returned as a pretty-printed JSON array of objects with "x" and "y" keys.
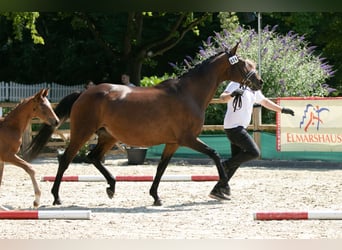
[{"x": 62, "y": 110}]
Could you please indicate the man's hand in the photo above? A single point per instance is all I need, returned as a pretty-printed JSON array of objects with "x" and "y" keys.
[
  {"x": 237, "y": 92},
  {"x": 287, "y": 111}
]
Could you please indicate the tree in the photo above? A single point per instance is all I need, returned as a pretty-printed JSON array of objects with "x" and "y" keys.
[
  {"x": 328, "y": 37},
  {"x": 79, "y": 46},
  {"x": 24, "y": 21},
  {"x": 100, "y": 46},
  {"x": 143, "y": 36}
]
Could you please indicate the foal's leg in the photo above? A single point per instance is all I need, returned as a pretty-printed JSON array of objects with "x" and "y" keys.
[
  {"x": 104, "y": 143},
  {"x": 168, "y": 152},
  {"x": 28, "y": 168},
  {"x": 1, "y": 173}
]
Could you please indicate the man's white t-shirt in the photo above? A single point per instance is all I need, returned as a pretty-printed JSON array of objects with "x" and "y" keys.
[{"x": 242, "y": 116}]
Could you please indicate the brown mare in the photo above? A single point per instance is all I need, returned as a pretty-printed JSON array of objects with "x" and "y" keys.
[
  {"x": 12, "y": 127},
  {"x": 171, "y": 113}
]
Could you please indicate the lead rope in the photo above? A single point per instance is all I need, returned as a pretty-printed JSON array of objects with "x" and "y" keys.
[{"x": 237, "y": 102}]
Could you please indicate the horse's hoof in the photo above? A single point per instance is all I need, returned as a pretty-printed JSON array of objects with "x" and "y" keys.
[
  {"x": 157, "y": 203},
  {"x": 110, "y": 192},
  {"x": 2, "y": 208},
  {"x": 35, "y": 205},
  {"x": 217, "y": 194},
  {"x": 57, "y": 202},
  {"x": 226, "y": 190}
]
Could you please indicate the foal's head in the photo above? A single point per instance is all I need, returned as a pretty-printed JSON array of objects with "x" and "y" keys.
[
  {"x": 243, "y": 71},
  {"x": 42, "y": 108}
]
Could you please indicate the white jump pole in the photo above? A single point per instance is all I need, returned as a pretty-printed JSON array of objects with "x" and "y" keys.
[
  {"x": 96, "y": 178},
  {"x": 45, "y": 214},
  {"x": 300, "y": 215}
]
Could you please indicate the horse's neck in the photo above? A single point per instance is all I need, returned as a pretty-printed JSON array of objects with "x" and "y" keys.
[
  {"x": 204, "y": 83},
  {"x": 20, "y": 116}
]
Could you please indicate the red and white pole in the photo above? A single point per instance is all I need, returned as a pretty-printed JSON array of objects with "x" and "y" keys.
[
  {"x": 45, "y": 214},
  {"x": 300, "y": 215},
  {"x": 96, "y": 178}
]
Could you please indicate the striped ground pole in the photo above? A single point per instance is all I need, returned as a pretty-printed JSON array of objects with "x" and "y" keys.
[
  {"x": 45, "y": 214},
  {"x": 96, "y": 178},
  {"x": 299, "y": 215}
]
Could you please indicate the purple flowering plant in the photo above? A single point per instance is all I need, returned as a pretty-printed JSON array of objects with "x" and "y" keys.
[{"x": 289, "y": 66}]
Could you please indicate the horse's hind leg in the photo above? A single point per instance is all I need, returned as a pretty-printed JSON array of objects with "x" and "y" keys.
[
  {"x": 28, "y": 168},
  {"x": 222, "y": 187},
  {"x": 104, "y": 143}
]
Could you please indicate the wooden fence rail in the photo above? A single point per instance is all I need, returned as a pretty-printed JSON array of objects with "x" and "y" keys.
[{"x": 61, "y": 136}]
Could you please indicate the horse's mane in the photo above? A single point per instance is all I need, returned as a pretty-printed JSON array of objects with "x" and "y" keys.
[
  {"x": 252, "y": 63},
  {"x": 22, "y": 101},
  {"x": 170, "y": 84},
  {"x": 199, "y": 65},
  {"x": 173, "y": 83}
]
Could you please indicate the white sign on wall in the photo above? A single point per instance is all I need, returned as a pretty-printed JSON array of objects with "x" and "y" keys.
[{"x": 316, "y": 126}]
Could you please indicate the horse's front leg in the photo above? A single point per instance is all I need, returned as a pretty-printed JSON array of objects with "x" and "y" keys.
[
  {"x": 63, "y": 165},
  {"x": 104, "y": 144},
  {"x": 28, "y": 168},
  {"x": 222, "y": 188},
  {"x": 56, "y": 185},
  {"x": 168, "y": 152}
]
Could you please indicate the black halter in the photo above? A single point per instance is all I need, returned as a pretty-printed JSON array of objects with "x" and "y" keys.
[{"x": 234, "y": 59}]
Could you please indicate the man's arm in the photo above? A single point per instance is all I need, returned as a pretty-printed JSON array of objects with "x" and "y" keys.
[{"x": 267, "y": 103}]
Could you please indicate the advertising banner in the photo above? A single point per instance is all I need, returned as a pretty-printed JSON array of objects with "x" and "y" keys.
[{"x": 316, "y": 126}]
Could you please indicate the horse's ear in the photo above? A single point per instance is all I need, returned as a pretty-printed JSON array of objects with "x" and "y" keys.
[
  {"x": 42, "y": 93},
  {"x": 45, "y": 92},
  {"x": 233, "y": 50}
]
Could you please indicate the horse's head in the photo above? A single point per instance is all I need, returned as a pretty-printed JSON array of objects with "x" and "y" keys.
[
  {"x": 243, "y": 71},
  {"x": 42, "y": 108}
]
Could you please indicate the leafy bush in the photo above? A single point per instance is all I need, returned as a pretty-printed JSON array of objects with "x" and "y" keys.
[
  {"x": 154, "y": 80},
  {"x": 289, "y": 65}
]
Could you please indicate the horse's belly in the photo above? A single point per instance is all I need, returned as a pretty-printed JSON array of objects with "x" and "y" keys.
[
  {"x": 150, "y": 123},
  {"x": 141, "y": 135}
]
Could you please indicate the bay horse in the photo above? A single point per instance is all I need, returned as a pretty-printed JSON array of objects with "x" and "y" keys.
[
  {"x": 12, "y": 127},
  {"x": 170, "y": 113}
]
